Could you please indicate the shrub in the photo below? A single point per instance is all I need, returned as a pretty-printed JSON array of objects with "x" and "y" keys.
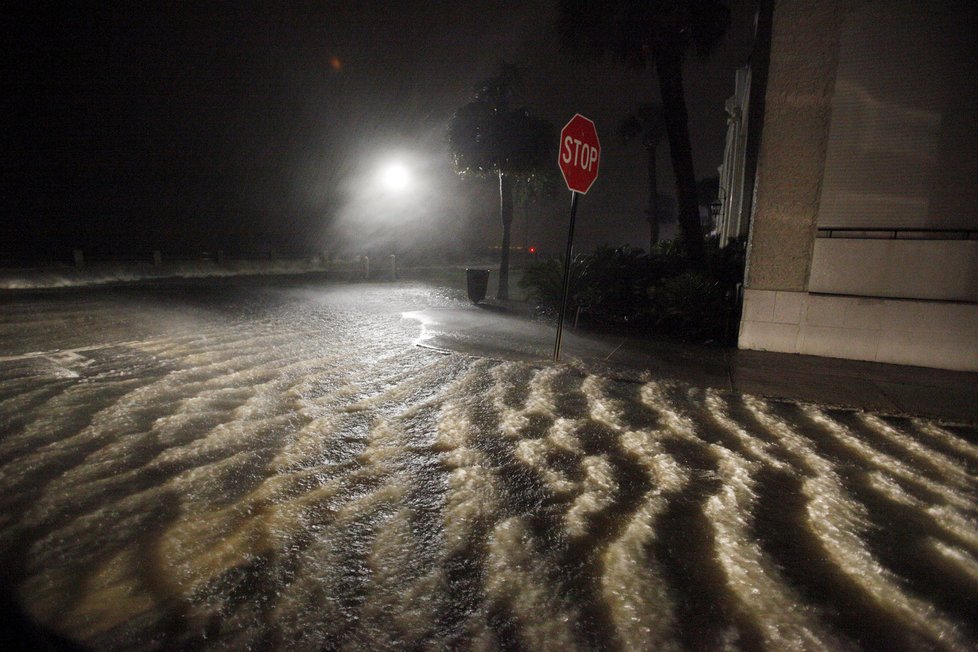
[
  {"x": 543, "y": 282},
  {"x": 692, "y": 307},
  {"x": 657, "y": 292},
  {"x": 613, "y": 284}
]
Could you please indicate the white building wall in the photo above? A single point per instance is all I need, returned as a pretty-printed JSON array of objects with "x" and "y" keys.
[
  {"x": 884, "y": 300},
  {"x": 733, "y": 221},
  {"x": 939, "y": 334},
  {"x": 904, "y": 269}
]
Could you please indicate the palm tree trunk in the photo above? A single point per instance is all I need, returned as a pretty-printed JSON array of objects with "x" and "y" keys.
[
  {"x": 653, "y": 209},
  {"x": 668, "y": 67},
  {"x": 506, "y": 216}
]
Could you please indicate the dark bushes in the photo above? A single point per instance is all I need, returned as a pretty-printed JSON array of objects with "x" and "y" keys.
[{"x": 657, "y": 294}]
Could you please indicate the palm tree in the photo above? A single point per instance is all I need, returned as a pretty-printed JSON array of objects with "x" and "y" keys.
[
  {"x": 488, "y": 137},
  {"x": 648, "y": 124},
  {"x": 658, "y": 34}
]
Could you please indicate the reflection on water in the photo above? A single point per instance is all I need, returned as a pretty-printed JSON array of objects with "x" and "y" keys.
[{"x": 258, "y": 484}]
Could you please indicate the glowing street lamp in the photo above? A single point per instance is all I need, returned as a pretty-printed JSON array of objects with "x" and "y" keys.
[{"x": 395, "y": 178}]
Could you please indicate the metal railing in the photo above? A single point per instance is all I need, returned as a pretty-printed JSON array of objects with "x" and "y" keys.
[{"x": 886, "y": 233}]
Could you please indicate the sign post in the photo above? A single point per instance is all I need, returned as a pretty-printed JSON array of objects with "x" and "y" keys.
[{"x": 578, "y": 158}]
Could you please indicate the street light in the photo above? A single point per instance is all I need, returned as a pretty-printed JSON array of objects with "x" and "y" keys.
[{"x": 395, "y": 178}]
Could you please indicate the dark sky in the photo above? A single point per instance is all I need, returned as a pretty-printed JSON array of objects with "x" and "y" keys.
[{"x": 254, "y": 125}]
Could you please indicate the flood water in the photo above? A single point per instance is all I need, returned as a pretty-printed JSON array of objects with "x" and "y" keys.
[{"x": 229, "y": 465}]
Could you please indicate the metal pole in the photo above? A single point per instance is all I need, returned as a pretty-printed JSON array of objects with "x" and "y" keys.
[
  {"x": 566, "y": 289},
  {"x": 394, "y": 252}
]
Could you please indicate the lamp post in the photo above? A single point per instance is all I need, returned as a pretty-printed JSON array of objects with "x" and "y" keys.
[{"x": 395, "y": 178}]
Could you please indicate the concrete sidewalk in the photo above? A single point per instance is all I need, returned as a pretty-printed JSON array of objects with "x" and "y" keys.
[{"x": 506, "y": 330}]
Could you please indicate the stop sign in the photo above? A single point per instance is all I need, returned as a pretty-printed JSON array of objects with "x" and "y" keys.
[{"x": 580, "y": 153}]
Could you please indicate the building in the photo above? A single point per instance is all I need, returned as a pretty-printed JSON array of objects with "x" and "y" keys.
[
  {"x": 734, "y": 215},
  {"x": 863, "y": 240}
]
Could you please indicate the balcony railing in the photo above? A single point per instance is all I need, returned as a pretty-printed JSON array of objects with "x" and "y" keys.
[{"x": 876, "y": 233}]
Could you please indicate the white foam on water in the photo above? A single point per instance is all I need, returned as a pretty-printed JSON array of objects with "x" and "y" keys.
[
  {"x": 111, "y": 596},
  {"x": 208, "y": 404},
  {"x": 267, "y": 448},
  {"x": 638, "y": 598},
  {"x": 964, "y": 564},
  {"x": 653, "y": 395},
  {"x": 559, "y": 437},
  {"x": 312, "y": 446},
  {"x": 788, "y": 437},
  {"x": 540, "y": 399},
  {"x": 398, "y": 387},
  {"x": 962, "y": 446},
  {"x": 641, "y": 603},
  {"x": 601, "y": 408},
  {"x": 402, "y": 598},
  {"x": 784, "y": 619},
  {"x": 63, "y": 567},
  {"x": 642, "y": 606},
  {"x": 122, "y": 272},
  {"x": 201, "y": 546},
  {"x": 19, "y": 397},
  {"x": 949, "y": 469},
  {"x": 472, "y": 502},
  {"x": 204, "y": 543},
  {"x": 963, "y": 527},
  {"x": 716, "y": 409},
  {"x": 838, "y": 522},
  {"x": 44, "y": 436},
  {"x": 518, "y": 578},
  {"x": 884, "y": 461},
  {"x": 533, "y": 453},
  {"x": 385, "y": 443},
  {"x": 308, "y": 606},
  {"x": 599, "y": 490},
  {"x": 562, "y": 435}
]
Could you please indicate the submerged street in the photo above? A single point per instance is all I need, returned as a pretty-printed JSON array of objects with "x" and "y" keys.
[{"x": 277, "y": 464}]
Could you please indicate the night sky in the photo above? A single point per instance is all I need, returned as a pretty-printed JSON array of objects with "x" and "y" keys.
[{"x": 249, "y": 126}]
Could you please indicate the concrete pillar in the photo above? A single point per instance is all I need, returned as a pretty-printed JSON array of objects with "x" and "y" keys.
[
  {"x": 801, "y": 80},
  {"x": 79, "y": 258}
]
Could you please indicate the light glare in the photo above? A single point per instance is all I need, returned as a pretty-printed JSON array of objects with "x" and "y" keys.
[{"x": 395, "y": 176}]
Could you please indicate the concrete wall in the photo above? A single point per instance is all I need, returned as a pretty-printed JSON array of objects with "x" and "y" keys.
[
  {"x": 804, "y": 53},
  {"x": 926, "y": 333},
  {"x": 917, "y": 269},
  {"x": 839, "y": 298}
]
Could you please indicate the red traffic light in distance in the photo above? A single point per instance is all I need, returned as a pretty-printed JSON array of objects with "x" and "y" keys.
[{"x": 579, "y": 154}]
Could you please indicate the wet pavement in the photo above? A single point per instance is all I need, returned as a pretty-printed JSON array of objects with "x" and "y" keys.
[
  {"x": 508, "y": 330},
  {"x": 293, "y": 464}
]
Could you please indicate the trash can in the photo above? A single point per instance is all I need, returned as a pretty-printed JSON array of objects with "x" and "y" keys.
[{"x": 477, "y": 282}]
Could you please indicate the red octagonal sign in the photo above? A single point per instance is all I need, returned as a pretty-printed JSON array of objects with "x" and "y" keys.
[{"x": 580, "y": 153}]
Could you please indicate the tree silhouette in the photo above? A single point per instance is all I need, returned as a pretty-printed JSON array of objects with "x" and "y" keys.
[
  {"x": 647, "y": 124},
  {"x": 488, "y": 137},
  {"x": 658, "y": 34},
  {"x": 544, "y": 184}
]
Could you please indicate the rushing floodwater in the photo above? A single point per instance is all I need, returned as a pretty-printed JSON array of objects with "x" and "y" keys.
[{"x": 280, "y": 467}]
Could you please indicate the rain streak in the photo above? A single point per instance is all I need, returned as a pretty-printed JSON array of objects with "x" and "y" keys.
[{"x": 302, "y": 476}]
